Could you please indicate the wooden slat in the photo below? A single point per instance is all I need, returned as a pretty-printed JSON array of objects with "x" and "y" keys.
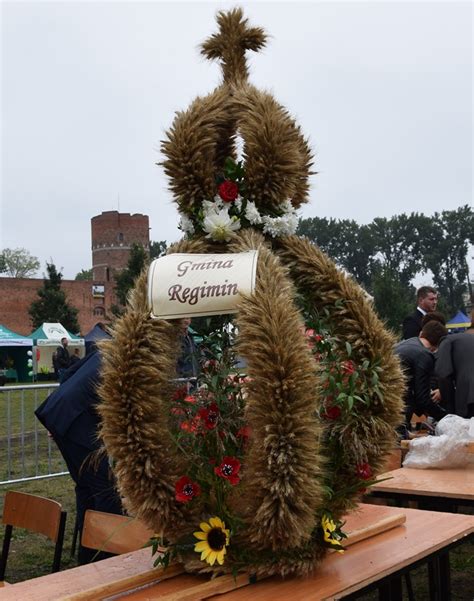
[
  {"x": 126, "y": 584},
  {"x": 35, "y": 513},
  {"x": 378, "y": 527},
  {"x": 113, "y": 533}
]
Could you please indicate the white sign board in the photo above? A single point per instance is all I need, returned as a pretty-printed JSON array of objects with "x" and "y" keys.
[{"x": 190, "y": 285}]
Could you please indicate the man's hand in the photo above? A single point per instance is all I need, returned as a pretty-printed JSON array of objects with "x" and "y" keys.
[{"x": 436, "y": 395}]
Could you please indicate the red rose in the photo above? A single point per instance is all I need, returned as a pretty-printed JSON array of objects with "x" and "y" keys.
[
  {"x": 186, "y": 490},
  {"x": 228, "y": 190},
  {"x": 229, "y": 469},
  {"x": 189, "y": 398},
  {"x": 364, "y": 471},
  {"x": 332, "y": 412},
  {"x": 209, "y": 415}
]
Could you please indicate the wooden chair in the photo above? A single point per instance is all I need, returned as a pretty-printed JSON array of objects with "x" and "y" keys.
[
  {"x": 36, "y": 514},
  {"x": 113, "y": 533}
]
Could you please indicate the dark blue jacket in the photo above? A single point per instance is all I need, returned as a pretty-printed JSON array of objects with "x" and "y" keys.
[{"x": 75, "y": 398}]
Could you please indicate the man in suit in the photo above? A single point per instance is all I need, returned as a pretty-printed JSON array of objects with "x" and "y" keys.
[
  {"x": 62, "y": 358},
  {"x": 426, "y": 301},
  {"x": 418, "y": 362},
  {"x": 69, "y": 415},
  {"x": 455, "y": 370}
]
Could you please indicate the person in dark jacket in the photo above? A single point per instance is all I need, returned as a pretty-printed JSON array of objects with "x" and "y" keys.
[
  {"x": 426, "y": 300},
  {"x": 69, "y": 415},
  {"x": 62, "y": 358},
  {"x": 455, "y": 370},
  {"x": 418, "y": 362}
]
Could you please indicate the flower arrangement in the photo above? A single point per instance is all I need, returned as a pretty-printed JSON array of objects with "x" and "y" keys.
[
  {"x": 233, "y": 209},
  {"x": 210, "y": 430},
  {"x": 250, "y": 471}
]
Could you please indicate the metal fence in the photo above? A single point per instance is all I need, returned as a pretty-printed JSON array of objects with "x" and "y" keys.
[{"x": 27, "y": 452}]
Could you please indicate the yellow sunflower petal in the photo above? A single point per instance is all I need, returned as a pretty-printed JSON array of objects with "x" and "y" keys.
[
  {"x": 204, "y": 554},
  {"x": 198, "y": 547},
  {"x": 200, "y": 535},
  {"x": 220, "y": 556},
  {"x": 216, "y": 523},
  {"x": 204, "y": 526},
  {"x": 211, "y": 560}
]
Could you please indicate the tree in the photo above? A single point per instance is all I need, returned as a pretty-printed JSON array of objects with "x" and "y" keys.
[
  {"x": 52, "y": 305},
  {"x": 84, "y": 274},
  {"x": 349, "y": 244},
  {"x": 446, "y": 246},
  {"x": 18, "y": 263},
  {"x": 158, "y": 249},
  {"x": 397, "y": 245},
  {"x": 125, "y": 280},
  {"x": 393, "y": 300}
]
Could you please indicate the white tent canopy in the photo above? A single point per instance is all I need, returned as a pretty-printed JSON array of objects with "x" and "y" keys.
[{"x": 50, "y": 334}]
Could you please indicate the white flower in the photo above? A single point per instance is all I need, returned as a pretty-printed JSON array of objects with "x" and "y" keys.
[
  {"x": 238, "y": 203},
  {"x": 219, "y": 225},
  {"x": 186, "y": 225},
  {"x": 211, "y": 207},
  {"x": 287, "y": 207},
  {"x": 280, "y": 226},
  {"x": 252, "y": 214}
]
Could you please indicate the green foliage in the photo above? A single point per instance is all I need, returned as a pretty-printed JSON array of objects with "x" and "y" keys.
[
  {"x": 18, "y": 263},
  {"x": 387, "y": 254},
  {"x": 125, "y": 280},
  {"x": 447, "y": 245},
  {"x": 52, "y": 305},
  {"x": 84, "y": 274},
  {"x": 158, "y": 249}
]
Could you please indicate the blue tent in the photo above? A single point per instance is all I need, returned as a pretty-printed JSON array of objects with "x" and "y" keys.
[
  {"x": 97, "y": 333},
  {"x": 458, "y": 323}
]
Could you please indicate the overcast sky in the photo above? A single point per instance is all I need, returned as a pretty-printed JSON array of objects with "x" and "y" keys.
[{"x": 383, "y": 90}]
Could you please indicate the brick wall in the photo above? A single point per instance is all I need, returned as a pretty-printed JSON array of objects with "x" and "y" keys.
[
  {"x": 113, "y": 234},
  {"x": 17, "y": 294}
]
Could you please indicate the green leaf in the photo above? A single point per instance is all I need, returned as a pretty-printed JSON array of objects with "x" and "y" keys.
[{"x": 348, "y": 349}]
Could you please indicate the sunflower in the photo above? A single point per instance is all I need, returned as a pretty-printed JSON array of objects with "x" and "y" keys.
[{"x": 213, "y": 540}]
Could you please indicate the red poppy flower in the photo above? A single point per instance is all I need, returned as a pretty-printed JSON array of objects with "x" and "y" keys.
[
  {"x": 209, "y": 415},
  {"x": 186, "y": 490},
  {"x": 364, "y": 471},
  {"x": 180, "y": 393},
  {"x": 210, "y": 364},
  {"x": 244, "y": 432},
  {"x": 228, "y": 190},
  {"x": 229, "y": 469},
  {"x": 190, "y": 426},
  {"x": 332, "y": 412},
  {"x": 348, "y": 367}
]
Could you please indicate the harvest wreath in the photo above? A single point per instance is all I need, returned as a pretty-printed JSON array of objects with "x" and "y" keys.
[{"x": 251, "y": 471}]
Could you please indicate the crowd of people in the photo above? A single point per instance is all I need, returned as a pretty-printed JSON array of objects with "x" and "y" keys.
[{"x": 439, "y": 368}]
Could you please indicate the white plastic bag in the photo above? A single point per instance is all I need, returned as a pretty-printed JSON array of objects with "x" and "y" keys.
[{"x": 446, "y": 449}]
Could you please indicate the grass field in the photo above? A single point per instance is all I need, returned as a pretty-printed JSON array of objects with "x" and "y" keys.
[{"x": 25, "y": 448}]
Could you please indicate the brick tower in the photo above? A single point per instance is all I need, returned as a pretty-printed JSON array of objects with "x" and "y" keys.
[{"x": 113, "y": 234}]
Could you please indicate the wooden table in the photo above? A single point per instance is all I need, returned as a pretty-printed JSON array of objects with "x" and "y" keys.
[
  {"x": 432, "y": 489},
  {"x": 375, "y": 562}
]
